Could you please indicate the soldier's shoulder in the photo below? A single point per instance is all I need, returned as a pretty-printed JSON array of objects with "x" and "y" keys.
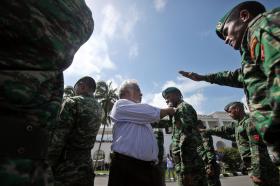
[{"x": 264, "y": 21}]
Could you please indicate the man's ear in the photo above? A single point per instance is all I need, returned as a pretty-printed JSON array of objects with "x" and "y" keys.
[{"x": 244, "y": 15}]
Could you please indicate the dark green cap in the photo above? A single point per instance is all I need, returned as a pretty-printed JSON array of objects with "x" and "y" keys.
[
  {"x": 253, "y": 7},
  {"x": 235, "y": 103},
  {"x": 220, "y": 25},
  {"x": 89, "y": 81},
  {"x": 170, "y": 90}
]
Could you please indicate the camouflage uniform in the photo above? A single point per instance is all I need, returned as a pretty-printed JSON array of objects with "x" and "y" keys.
[
  {"x": 207, "y": 152},
  {"x": 186, "y": 140},
  {"x": 259, "y": 74},
  {"x": 161, "y": 165},
  {"x": 38, "y": 41},
  {"x": 252, "y": 150},
  {"x": 72, "y": 141}
]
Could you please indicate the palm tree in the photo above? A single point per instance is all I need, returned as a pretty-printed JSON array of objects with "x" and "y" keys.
[{"x": 106, "y": 95}]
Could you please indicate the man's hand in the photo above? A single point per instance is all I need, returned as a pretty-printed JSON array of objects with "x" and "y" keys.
[
  {"x": 256, "y": 179},
  {"x": 191, "y": 75},
  {"x": 210, "y": 170}
]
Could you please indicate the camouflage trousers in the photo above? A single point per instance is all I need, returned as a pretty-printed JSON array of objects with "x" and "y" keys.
[
  {"x": 74, "y": 173},
  {"x": 23, "y": 172}
]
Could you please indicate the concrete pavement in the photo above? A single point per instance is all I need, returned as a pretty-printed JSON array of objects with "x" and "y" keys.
[{"x": 227, "y": 181}]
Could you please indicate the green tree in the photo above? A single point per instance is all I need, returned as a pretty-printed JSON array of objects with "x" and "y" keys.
[
  {"x": 106, "y": 95},
  {"x": 232, "y": 159}
]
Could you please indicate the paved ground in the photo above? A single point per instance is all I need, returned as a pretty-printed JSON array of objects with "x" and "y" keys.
[{"x": 228, "y": 181}]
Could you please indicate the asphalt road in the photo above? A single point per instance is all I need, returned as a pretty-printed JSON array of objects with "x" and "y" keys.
[{"x": 228, "y": 181}]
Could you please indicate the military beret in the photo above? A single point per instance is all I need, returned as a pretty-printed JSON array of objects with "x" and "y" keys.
[
  {"x": 170, "y": 90},
  {"x": 235, "y": 103},
  {"x": 221, "y": 23},
  {"x": 89, "y": 81}
]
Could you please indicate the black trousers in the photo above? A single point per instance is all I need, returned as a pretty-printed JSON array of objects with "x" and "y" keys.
[{"x": 127, "y": 171}]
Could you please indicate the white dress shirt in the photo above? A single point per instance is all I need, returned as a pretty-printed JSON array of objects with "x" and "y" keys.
[{"x": 132, "y": 132}]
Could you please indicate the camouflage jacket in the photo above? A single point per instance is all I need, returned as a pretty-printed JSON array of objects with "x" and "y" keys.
[
  {"x": 38, "y": 41},
  {"x": 206, "y": 150},
  {"x": 259, "y": 72},
  {"x": 186, "y": 139},
  {"x": 160, "y": 141},
  {"x": 77, "y": 128},
  {"x": 252, "y": 150}
]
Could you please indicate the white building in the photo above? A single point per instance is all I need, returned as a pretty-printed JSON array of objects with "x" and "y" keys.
[{"x": 210, "y": 121}]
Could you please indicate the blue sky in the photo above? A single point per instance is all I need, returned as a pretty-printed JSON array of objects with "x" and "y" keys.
[{"x": 151, "y": 40}]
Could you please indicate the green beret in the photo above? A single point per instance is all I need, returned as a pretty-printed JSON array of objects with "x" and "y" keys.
[
  {"x": 221, "y": 23},
  {"x": 235, "y": 103},
  {"x": 89, "y": 81},
  {"x": 170, "y": 90}
]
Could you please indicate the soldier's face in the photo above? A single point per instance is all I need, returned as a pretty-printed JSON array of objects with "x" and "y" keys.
[
  {"x": 233, "y": 32},
  {"x": 171, "y": 99},
  {"x": 233, "y": 112}
]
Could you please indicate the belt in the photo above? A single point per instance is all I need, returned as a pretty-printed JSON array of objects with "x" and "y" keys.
[
  {"x": 119, "y": 156},
  {"x": 20, "y": 139}
]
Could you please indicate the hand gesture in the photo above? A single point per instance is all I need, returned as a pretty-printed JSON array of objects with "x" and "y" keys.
[
  {"x": 256, "y": 179},
  {"x": 191, "y": 75}
]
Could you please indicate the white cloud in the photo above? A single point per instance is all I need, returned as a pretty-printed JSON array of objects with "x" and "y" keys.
[
  {"x": 185, "y": 85},
  {"x": 131, "y": 19},
  {"x": 111, "y": 20},
  {"x": 160, "y": 5},
  {"x": 91, "y": 58},
  {"x": 196, "y": 100},
  {"x": 192, "y": 93}
]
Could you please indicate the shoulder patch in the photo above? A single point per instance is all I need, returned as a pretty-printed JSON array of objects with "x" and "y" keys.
[
  {"x": 253, "y": 45},
  {"x": 262, "y": 53},
  {"x": 256, "y": 137}
]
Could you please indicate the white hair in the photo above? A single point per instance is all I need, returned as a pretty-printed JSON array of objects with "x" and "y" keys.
[{"x": 126, "y": 85}]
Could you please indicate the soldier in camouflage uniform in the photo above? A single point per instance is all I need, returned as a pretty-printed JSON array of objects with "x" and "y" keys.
[
  {"x": 186, "y": 140},
  {"x": 252, "y": 149},
  {"x": 256, "y": 33},
  {"x": 74, "y": 137},
  {"x": 161, "y": 165},
  {"x": 207, "y": 152},
  {"x": 68, "y": 92},
  {"x": 38, "y": 41}
]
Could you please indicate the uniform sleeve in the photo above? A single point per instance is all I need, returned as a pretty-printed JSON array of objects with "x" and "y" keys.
[
  {"x": 61, "y": 131},
  {"x": 255, "y": 147},
  {"x": 226, "y": 78},
  {"x": 223, "y": 131},
  {"x": 209, "y": 148}
]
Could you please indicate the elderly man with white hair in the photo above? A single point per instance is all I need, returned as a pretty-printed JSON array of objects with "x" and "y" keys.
[{"x": 134, "y": 144}]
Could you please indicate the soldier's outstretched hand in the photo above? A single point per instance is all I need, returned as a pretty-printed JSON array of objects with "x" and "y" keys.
[{"x": 191, "y": 75}]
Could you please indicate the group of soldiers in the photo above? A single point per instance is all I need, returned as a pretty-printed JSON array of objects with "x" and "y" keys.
[{"x": 38, "y": 42}]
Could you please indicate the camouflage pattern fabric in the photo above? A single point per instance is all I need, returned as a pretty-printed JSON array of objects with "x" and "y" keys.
[
  {"x": 259, "y": 75},
  {"x": 38, "y": 41},
  {"x": 252, "y": 150},
  {"x": 72, "y": 141},
  {"x": 186, "y": 139},
  {"x": 161, "y": 165},
  {"x": 207, "y": 152},
  {"x": 68, "y": 92}
]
